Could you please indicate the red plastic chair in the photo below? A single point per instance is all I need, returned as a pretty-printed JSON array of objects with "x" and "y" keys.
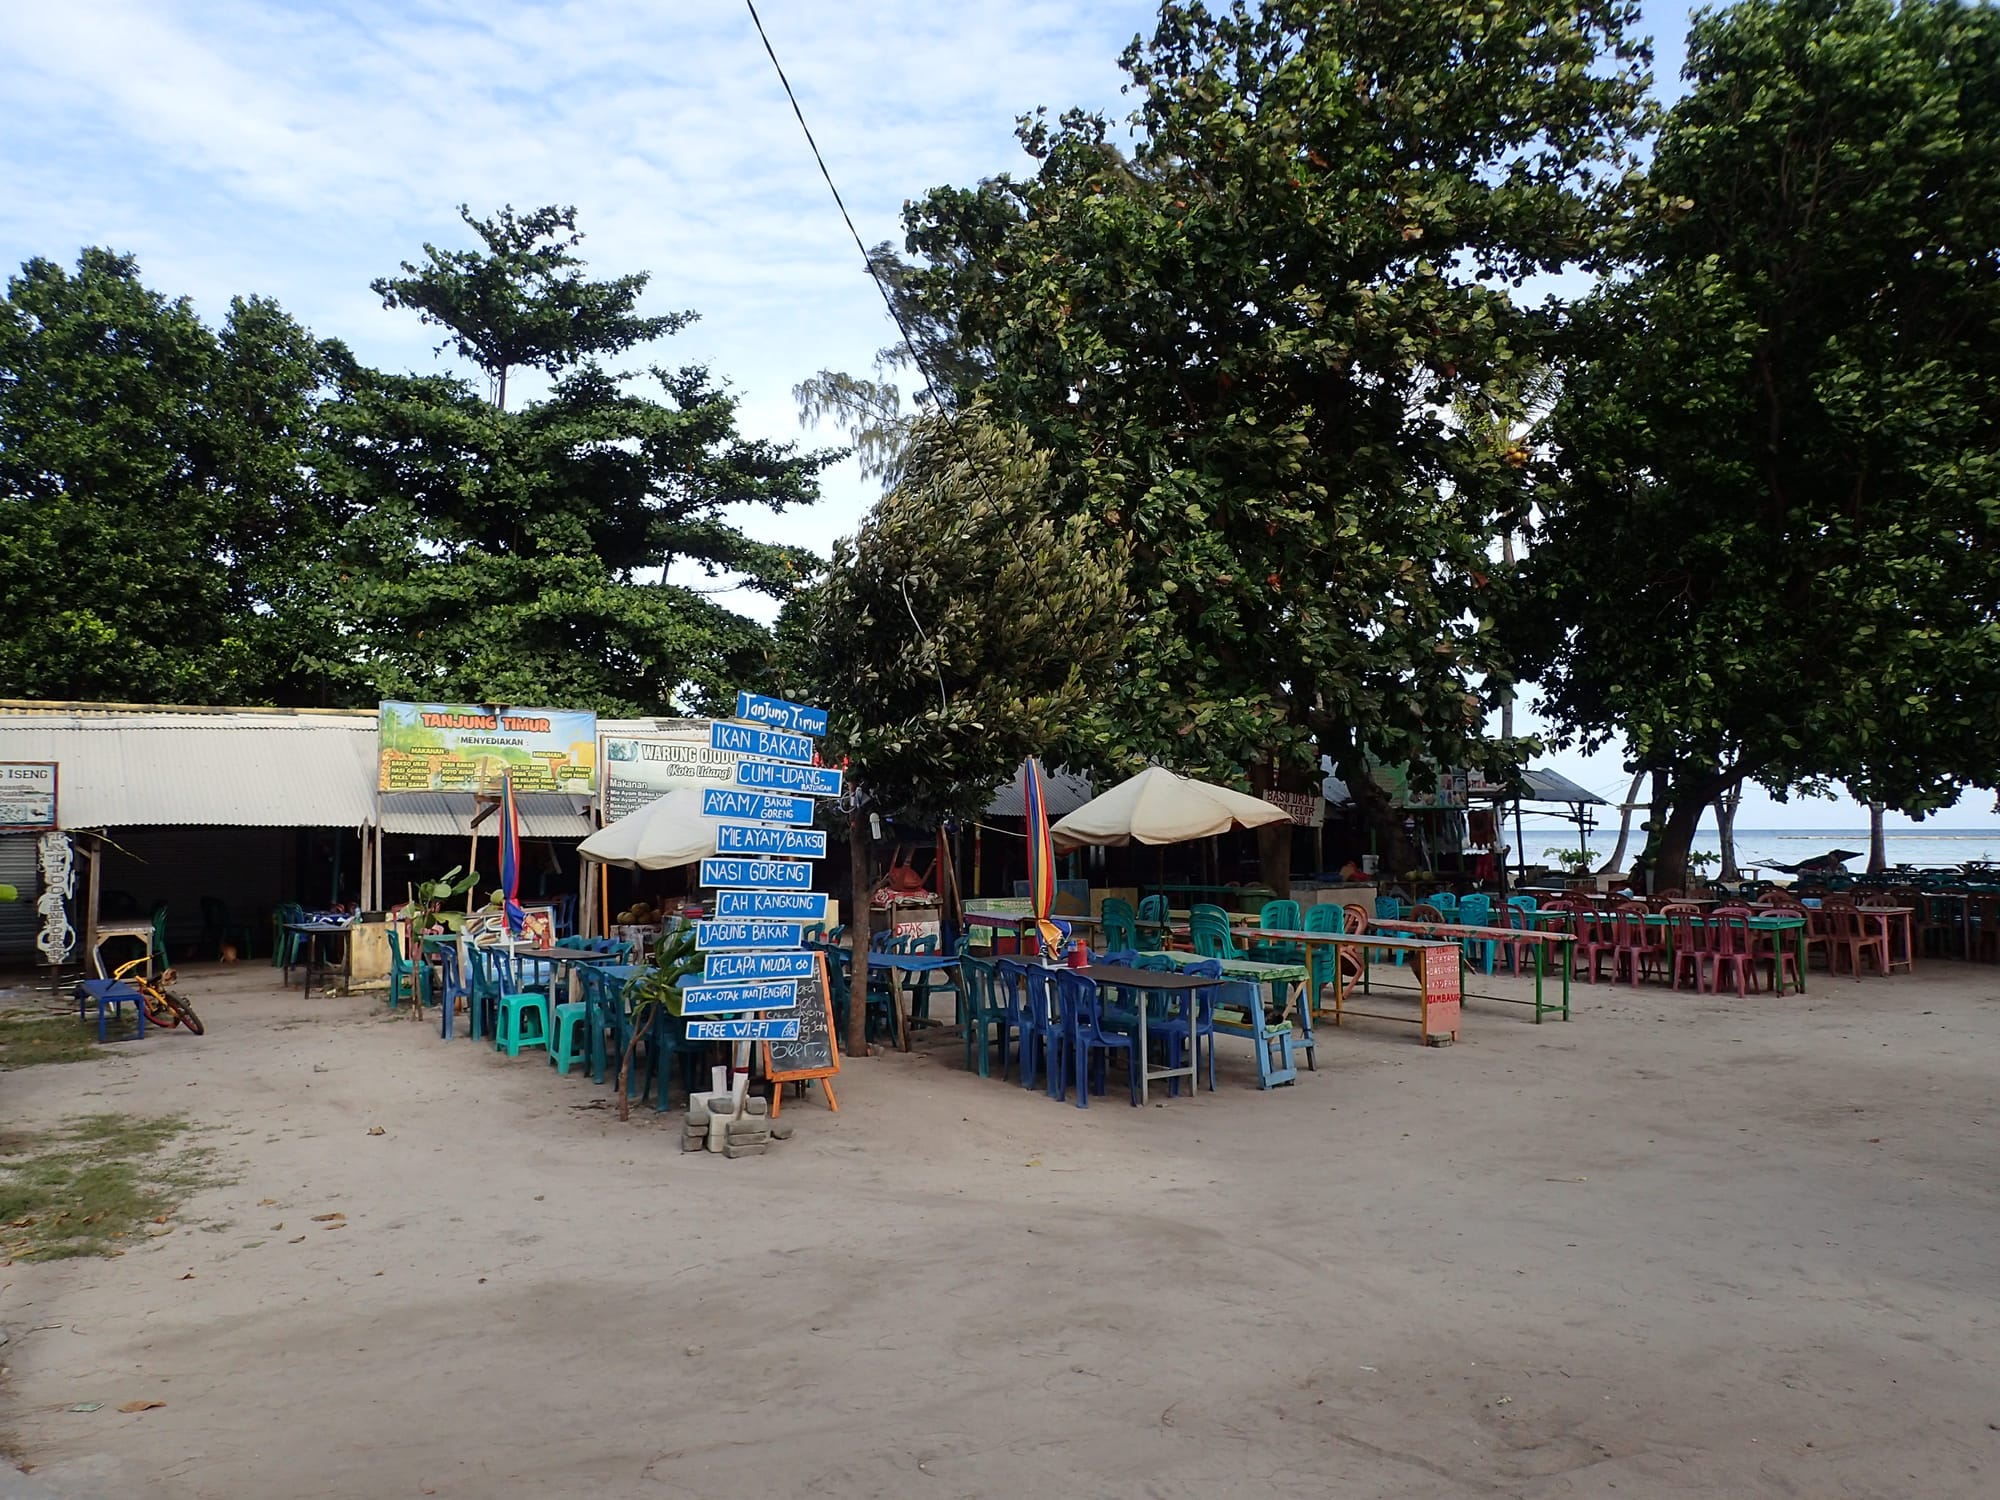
[
  {"x": 1730, "y": 948},
  {"x": 1690, "y": 946},
  {"x": 1853, "y": 938},
  {"x": 1636, "y": 950},
  {"x": 1595, "y": 941}
]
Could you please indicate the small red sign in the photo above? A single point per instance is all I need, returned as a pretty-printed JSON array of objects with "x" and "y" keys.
[{"x": 1442, "y": 992}]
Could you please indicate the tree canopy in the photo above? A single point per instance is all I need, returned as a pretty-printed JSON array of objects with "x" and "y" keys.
[
  {"x": 1239, "y": 343},
  {"x": 1768, "y": 534},
  {"x": 156, "y": 508}
]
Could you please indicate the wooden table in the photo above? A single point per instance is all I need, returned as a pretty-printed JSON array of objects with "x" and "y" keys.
[
  {"x": 142, "y": 933},
  {"x": 1538, "y": 939},
  {"x": 1150, "y": 979},
  {"x": 1281, "y": 978},
  {"x": 1021, "y": 922},
  {"x": 312, "y": 932}
]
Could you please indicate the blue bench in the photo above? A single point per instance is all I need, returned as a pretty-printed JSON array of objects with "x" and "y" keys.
[{"x": 109, "y": 994}]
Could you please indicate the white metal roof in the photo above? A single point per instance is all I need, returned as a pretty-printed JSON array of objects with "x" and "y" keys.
[
  {"x": 544, "y": 815},
  {"x": 121, "y": 768}
]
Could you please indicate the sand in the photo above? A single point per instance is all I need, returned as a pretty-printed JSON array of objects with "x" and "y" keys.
[{"x": 1678, "y": 1247}]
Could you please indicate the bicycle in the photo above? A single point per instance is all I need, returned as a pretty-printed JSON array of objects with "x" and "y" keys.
[{"x": 162, "y": 1006}]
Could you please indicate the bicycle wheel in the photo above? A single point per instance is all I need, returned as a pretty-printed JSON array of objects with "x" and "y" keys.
[
  {"x": 183, "y": 1012},
  {"x": 152, "y": 998}
]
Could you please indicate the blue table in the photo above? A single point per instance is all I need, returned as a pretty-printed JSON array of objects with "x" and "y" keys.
[{"x": 110, "y": 994}]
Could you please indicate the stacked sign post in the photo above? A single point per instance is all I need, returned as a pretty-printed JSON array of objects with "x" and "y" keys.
[{"x": 757, "y": 976}]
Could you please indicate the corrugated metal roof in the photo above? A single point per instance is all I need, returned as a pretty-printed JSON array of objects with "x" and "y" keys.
[
  {"x": 1536, "y": 786},
  {"x": 1063, "y": 791},
  {"x": 544, "y": 815},
  {"x": 224, "y": 768}
]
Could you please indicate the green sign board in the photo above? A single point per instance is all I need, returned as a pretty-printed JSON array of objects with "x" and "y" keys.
[{"x": 465, "y": 747}]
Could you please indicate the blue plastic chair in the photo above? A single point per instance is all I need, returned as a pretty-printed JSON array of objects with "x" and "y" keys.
[
  {"x": 1389, "y": 909},
  {"x": 1324, "y": 916},
  {"x": 1093, "y": 1042}
]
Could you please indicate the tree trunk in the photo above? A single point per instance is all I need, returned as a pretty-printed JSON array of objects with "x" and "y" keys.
[
  {"x": 1686, "y": 803},
  {"x": 1274, "y": 840},
  {"x": 1398, "y": 857},
  {"x": 857, "y": 931},
  {"x": 1878, "y": 845},
  {"x": 1617, "y": 861},
  {"x": 1725, "y": 830}
]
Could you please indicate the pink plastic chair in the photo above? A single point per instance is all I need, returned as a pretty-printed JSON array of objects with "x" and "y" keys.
[
  {"x": 1635, "y": 949},
  {"x": 1730, "y": 948}
]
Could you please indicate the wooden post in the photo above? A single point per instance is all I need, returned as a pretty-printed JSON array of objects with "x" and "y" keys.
[
  {"x": 90, "y": 893},
  {"x": 857, "y": 932}
]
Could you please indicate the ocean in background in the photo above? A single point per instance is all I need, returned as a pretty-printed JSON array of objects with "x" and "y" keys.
[{"x": 1941, "y": 848}]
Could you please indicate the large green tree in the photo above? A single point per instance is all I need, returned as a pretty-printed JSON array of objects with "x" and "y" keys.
[
  {"x": 1770, "y": 542},
  {"x": 960, "y": 631},
  {"x": 156, "y": 510},
  {"x": 1240, "y": 343},
  {"x": 519, "y": 555}
]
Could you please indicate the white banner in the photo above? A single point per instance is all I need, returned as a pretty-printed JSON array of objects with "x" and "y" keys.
[{"x": 641, "y": 768}]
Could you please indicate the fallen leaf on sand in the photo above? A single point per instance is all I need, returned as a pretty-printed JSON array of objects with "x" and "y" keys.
[
  {"x": 341, "y": 1225},
  {"x": 376, "y": 1130},
  {"x": 189, "y": 1276},
  {"x": 327, "y": 1218},
  {"x": 86, "y": 1406},
  {"x": 279, "y": 1225},
  {"x": 142, "y": 1406},
  {"x": 160, "y": 1219},
  {"x": 266, "y": 1202},
  {"x": 299, "y": 1241}
]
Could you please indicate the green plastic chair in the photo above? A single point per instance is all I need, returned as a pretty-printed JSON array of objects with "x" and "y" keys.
[
  {"x": 1209, "y": 928},
  {"x": 981, "y": 1007},
  {"x": 402, "y": 974},
  {"x": 160, "y": 963},
  {"x": 1282, "y": 915},
  {"x": 1324, "y": 916},
  {"x": 1153, "y": 920},
  {"x": 1118, "y": 925}
]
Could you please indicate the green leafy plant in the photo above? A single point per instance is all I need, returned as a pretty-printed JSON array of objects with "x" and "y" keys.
[
  {"x": 1576, "y": 861},
  {"x": 431, "y": 896},
  {"x": 655, "y": 988}
]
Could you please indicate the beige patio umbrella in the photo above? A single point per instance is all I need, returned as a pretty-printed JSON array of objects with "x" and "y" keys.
[
  {"x": 1158, "y": 807},
  {"x": 665, "y": 834}
]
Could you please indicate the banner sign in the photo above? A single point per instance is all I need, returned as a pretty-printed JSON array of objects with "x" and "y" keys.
[
  {"x": 743, "y": 1031},
  {"x": 465, "y": 747},
  {"x": 712, "y": 937},
  {"x": 1303, "y": 808},
  {"x": 739, "y": 968},
  {"x": 791, "y": 906},
  {"x": 757, "y": 874},
  {"x": 726, "y": 999},
  {"x": 761, "y": 807},
  {"x": 772, "y": 744},
  {"x": 1442, "y": 993},
  {"x": 755, "y": 838},
  {"x": 28, "y": 796},
  {"x": 776, "y": 713},
  {"x": 803, "y": 781},
  {"x": 641, "y": 768}
]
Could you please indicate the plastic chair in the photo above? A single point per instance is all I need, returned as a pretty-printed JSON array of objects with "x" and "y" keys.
[
  {"x": 1729, "y": 948},
  {"x": 285, "y": 946},
  {"x": 1183, "y": 1019},
  {"x": 1092, "y": 1041},
  {"x": 1635, "y": 948},
  {"x": 160, "y": 961},
  {"x": 1118, "y": 924},
  {"x": 1154, "y": 918},
  {"x": 1853, "y": 939},
  {"x": 1279, "y": 916},
  {"x": 1324, "y": 916},
  {"x": 1477, "y": 911},
  {"x": 1208, "y": 928},
  {"x": 217, "y": 929},
  {"x": 1010, "y": 980},
  {"x": 1444, "y": 901},
  {"x": 1391, "y": 909},
  {"x": 981, "y": 1009},
  {"x": 402, "y": 973},
  {"x": 515, "y": 1007}
]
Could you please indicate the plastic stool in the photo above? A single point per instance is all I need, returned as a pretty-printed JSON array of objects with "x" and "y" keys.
[
  {"x": 510, "y": 1036},
  {"x": 566, "y": 1040}
]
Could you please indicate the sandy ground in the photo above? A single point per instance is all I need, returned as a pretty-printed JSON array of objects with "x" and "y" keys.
[{"x": 1681, "y": 1246}]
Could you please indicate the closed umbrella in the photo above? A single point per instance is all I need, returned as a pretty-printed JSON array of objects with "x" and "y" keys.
[
  {"x": 1041, "y": 861},
  {"x": 510, "y": 858},
  {"x": 1158, "y": 807},
  {"x": 665, "y": 834}
]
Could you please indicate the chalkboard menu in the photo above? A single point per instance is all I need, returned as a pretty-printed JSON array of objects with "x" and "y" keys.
[{"x": 814, "y": 1054}]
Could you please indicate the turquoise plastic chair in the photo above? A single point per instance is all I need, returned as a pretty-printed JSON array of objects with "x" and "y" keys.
[
  {"x": 1209, "y": 929},
  {"x": 1282, "y": 916},
  {"x": 1477, "y": 911},
  {"x": 1324, "y": 916},
  {"x": 1389, "y": 909},
  {"x": 1446, "y": 902},
  {"x": 1153, "y": 920},
  {"x": 403, "y": 975},
  {"x": 1118, "y": 927},
  {"x": 980, "y": 1010}
]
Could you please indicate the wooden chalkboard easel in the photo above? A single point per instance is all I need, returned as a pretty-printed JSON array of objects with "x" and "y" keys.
[{"x": 816, "y": 1054}]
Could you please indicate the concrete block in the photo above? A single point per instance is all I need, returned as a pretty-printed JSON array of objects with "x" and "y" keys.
[
  {"x": 735, "y": 1149},
  {"x": 782, "y": 1131},
  {"x": 757, "y": 1104},
  {"x": 697, "y": 1114}
]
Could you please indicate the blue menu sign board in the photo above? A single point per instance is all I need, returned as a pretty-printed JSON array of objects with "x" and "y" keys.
[
  {"x": 772, "y": 744},
  {"x": 743, "y": 1031},
  {"x": 727, "y": 999},
  {"x": 741, "y": 968},
  {"x": 779, "y": 843},
  {"x": 791, "y": 906},
  {"x": 721, "y": 937},
  {"x": 799, "y": 781},
  {"x": 757, "y": 874},
  {"x": 762, "y": 807},
  {"x": 776, "y": 713}
]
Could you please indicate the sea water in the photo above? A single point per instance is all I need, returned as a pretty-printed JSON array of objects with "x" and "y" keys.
[{"x": 1940, "y": 848}]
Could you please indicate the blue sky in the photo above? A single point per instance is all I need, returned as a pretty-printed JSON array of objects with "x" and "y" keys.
[{"x": 300, "y": 149}]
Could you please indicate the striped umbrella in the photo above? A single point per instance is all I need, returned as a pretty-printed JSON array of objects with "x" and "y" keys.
[
  {"x": 510, "y": 857},
  {"x": 1041, "y": 863}
]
